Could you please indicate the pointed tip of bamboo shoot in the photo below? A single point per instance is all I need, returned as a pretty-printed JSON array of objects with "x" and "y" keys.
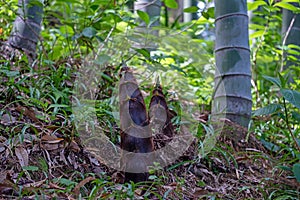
[
  {"x": 124, "y": 68},
  {"x": 157, "y": 82}
]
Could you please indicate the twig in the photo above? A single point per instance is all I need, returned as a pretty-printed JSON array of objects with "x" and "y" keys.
[
  {"x": 284, "y": 41},
  {"x": 146, "y": 5},
  {"x": 288, "y": 125}
]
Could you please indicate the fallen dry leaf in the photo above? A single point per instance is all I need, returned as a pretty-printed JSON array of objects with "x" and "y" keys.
[
  {"x": 6, "y": 186},
  {"x": 2, "y": 147},
  {"x": 49, "y": 147},
  {"x": 22, "y": 155},
  {"x": 51, "y": 139},
  {"x": 54, "y": 186},
  {"x": 28, "y": 112},
  {"x": 198, "y": 192},
  {"x": 3, "y": 175},
  {"x": 51, "y": 142},
  {"x": 82, "y": 183},
  {"x": 74, "y": 146},
  {"x": 35, "y": 184},
  {"x": 7, "y": 119}
]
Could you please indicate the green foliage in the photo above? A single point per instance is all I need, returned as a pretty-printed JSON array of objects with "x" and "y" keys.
[
  {"x": 275, "y": 93},
  {"x": 144, "y": 16},
  {"x": 284, "y": 113},
  {"x": 191, "y": 9},
  {"x": 101, "y": 30},
  {"x": 171, "y": 4},
  {"x": 296, "y": 171}
]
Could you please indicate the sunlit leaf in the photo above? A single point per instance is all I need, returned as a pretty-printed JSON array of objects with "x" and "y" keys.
[
  {"x": 254, "y": 5},
  {"x": 171, "y": 4},
  {"x": 69, "y": 1},
  {"x": 144, "y": 52},
  {"x": 66, "y": 30},
  {"x": 293, "y": 46},
  {"x": 286, "y": 6},
  {"x": 144, "y": 16},
  {"x": 257, "y": 34},
  {"x": 58, "y": 106},
  {"x": 211, "y": 12},
  {"x": 205, "y": 15},
  {"x": 290, "y": 1},
  {"x": 256, "y": 26},
  {"x": 191, "y": 9}
]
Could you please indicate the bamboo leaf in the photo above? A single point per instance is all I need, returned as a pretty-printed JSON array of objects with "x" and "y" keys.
[
  {"x": 275, "y": 81},
  {"x": 58, "y": 106},
  {"x": 255, "y": 5},
  {"x": 290, "y": 1},
  {"x": 144, "y": 52},
  {"x": 257, "y": 34},
  {"x": 30, "y": 168},
  {"x": 270, "y": 109},
  {"x": 191, "y": 9},
  {"x": 256, "y": 26},
  {"x": 89, "y": 32},
  {"x": 269, "y": 145},
  {"x": 102, "y": 59},
  {"x": 296, "y": 170},
  {"x": 153, "y": 20},
  {"x": 66, "y": 182},
  {"x": 283, "y": 80},
  {"x": 144, "y": 16},
  {"x": 66, "y": 30},
  {"x": 211, "y": 12},
  {"x": 296, "y": 116},
  {"x": 171, "y": 4},
  {"x": 286, "y": 5},
  {"x": 10, "y": 73},
  {"x": 174, "y": 67},
  {"x": 292, "y": 96}
]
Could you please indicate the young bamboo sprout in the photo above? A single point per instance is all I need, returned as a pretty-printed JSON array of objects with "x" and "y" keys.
[
  {"x": 136, "y": 136},
  {"x": 159, "y": 114}
]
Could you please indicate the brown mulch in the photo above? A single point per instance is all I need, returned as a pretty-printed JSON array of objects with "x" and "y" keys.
[{"x": 33, "y": 161}]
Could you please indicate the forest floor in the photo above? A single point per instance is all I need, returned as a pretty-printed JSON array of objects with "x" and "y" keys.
[
  {"x": 44, "y": 159},
  {"x": 49, "y": 165}
]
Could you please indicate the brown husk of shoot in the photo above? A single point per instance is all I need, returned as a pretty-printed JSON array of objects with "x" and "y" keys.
[
  {"x": 136, "y": 136},
  {"x": 160, "y": 117}
]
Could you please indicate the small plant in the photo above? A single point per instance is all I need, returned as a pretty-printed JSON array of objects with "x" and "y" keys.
[{"x": 288, "y": 113}]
